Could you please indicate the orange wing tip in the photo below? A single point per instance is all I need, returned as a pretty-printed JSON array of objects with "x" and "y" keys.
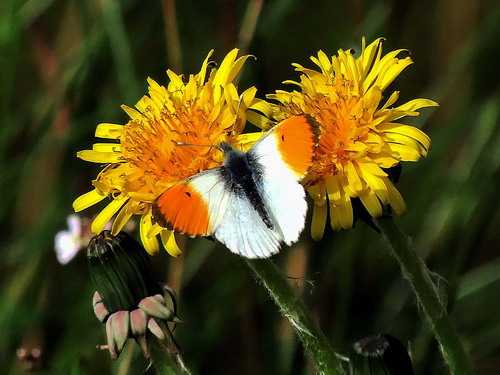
[
  {"x": 297, "y": 138},
  {"x": 183, "y": 209}
]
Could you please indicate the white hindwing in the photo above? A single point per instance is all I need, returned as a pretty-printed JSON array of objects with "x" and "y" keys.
[
  {"x": 243, "y": 231},
  {"x": 233, "y": 219}
]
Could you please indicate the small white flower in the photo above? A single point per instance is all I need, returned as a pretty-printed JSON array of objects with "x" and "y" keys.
[{"x": 67, "y": 243}]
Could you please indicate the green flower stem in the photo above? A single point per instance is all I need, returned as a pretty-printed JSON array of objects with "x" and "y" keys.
[
  {"x": 165, "y": 362},
  {"x": 417, "y": 273},
  {"x": 315, "y": 342}
]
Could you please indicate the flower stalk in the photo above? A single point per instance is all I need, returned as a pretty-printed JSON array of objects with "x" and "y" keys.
[
  {"x": 314, "y": 340},
  {"x": 167, "y": 362},
  {"x": 416, "y": 272}
]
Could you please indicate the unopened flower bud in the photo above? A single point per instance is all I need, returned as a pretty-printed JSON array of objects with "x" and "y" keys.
[{"x": 128, "y": 300}]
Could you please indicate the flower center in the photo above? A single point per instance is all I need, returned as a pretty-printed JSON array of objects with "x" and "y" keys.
[
  {"x": 173, "y": 147},
  {"x": 344, "y": 120}
]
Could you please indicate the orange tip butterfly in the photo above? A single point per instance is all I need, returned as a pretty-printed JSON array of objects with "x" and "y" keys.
[{"x": 254, "y": 201}]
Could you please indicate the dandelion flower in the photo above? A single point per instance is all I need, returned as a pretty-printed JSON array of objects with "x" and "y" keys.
[
  {"x": 361, "y": 133},
  {"x": 157, "y": 148}
]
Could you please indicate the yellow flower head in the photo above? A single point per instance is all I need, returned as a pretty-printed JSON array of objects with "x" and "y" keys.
[
  {"x": 360, "y": 133},
  {"x": 157, "y": 147}
]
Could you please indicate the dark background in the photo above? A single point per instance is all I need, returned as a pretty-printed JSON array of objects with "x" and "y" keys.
[{"x": 67, "y": 65}]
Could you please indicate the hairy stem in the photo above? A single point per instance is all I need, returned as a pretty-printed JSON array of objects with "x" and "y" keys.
[
  {"x": 167, "y": 362},
  {"x": 314, "y": 341},
  {"x": 416, "y": 272}
]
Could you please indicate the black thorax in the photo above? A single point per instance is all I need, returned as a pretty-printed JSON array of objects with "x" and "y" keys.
[{"x": 242, "y": 174}]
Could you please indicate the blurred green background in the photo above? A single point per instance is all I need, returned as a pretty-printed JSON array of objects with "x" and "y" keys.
[{"x": 67, "y": 65}]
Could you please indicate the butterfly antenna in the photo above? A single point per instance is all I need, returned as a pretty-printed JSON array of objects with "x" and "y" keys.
[{"x": 220, "y": 146}]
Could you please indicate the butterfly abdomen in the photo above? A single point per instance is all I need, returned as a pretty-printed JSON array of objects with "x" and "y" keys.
[{"x": 242, "y": 175}]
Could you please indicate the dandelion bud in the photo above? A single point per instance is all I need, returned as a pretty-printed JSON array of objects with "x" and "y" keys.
[{"x": 127, "y": 300}]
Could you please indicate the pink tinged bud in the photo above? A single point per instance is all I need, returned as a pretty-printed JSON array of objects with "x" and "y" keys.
[
  {"x": 169, "y": 298},
  {"x": 155, "y": 329},
  {"x": 159, "y": 298},
  {"x": 96, "y": 298},
  {"x": 109, "y": 336},
  {"x": 138, "y": 322},
  {"x": 120, "y": 325},
  {"x": 100, "y": 310},
  {"x": 152, "y": 306}
]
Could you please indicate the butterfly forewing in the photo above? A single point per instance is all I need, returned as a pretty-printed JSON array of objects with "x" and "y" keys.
[
  {"x": 196, "y": 206},
  {"x": 284, "y": 156}
]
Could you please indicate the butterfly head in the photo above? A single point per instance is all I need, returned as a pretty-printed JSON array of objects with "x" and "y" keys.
[{"x": 225, "y": 147}]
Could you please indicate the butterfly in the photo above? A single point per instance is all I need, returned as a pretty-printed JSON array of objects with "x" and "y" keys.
[{"x": 254, "y": 201}]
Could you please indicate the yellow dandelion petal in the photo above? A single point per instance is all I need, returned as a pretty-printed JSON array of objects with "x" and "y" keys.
[
  {"x": 369, "y": 53},
  {"x": 248, "y": 97},
  {"x": 107, "y": 213},
  {"x": 132, "y": 113},
  {"x": 385, "y": 161},
  {"x": 320, "y": 211},
  {"x": 149, "y": 241},
  {"x": 371, "y": 168},
  {"x": 169, "y": 243},
  {"x": 236, "y": 68},
  {"x": 203, "y": 71},
  {"x": 107, "y": 147},
  {"x": 87, "y": 200},
  {"x": 110, "y": 131},
  {"x": 99, "y": 156},
  {"x": 262, "y": 106},
  {"x": 341, "y": 215},
  {"x": 355, "y": 183},
  {"x": 408, "y": 142},
  {"x": 318, "y": 223},
  {"x": 416, "y": 104},
  {"x": 154, "y": 230},
  {"x": 408, "y": 131},
  {"x": 231, "y": 96},
  {"x": 176, "y": 83},
  {"x": 391, "y": 100},
  {"x": 395, "y": 198},
  {"x": 333, "y": 188},
  {"x": 124, "y": 216},
  {"x": 245, "y": 141},
  {"x": 358, "y": 136},
  {"x": 317, "y": 193},
  {"x": 403, "y": 152},
  {"x": 371, "y": 202},
  {"x": 259, "y": 120},
  {"x": 225, "y": 69},
  {"x": 374, "y": 182},
  {"x": 391, "y": 73}
]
